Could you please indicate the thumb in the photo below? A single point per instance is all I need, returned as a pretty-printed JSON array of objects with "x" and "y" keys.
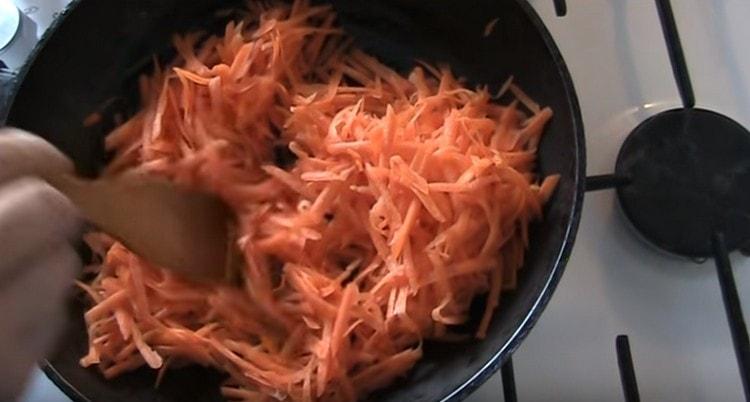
[{"x": 25, "y": 154}]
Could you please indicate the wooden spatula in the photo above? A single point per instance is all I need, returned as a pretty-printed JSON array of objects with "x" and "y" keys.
[{"x": 187, "y": 232}]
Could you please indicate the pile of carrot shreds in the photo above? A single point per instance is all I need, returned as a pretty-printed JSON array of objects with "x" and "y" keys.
[{"x": 407, "y": 197}]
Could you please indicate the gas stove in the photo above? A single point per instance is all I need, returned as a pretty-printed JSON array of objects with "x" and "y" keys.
[{"x": 670, "y": 307}]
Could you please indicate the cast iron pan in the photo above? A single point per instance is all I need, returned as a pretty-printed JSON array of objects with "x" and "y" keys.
[{"x": 96, "y": 50}]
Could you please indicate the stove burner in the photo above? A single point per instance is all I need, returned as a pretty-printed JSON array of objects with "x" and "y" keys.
[
  {"x": 683, "y": 180},
  {"x": 689, "y": 172}
]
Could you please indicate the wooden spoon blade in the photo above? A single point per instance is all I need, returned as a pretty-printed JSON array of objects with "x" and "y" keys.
[{"x": 187, "y": 232}]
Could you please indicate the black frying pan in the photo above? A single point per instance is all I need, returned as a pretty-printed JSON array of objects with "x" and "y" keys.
[{"x": 95, "y": 51}]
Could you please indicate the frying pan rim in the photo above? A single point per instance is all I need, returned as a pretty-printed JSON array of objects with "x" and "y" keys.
[
  {"x": 558, "y": 265},
  {"x": 17, "y": 80}
]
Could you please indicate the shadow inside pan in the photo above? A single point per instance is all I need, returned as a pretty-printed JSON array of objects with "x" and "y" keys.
[{"x": 97, "y": 51}]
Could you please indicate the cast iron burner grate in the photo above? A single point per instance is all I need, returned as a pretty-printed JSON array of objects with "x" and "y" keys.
[{"x": 683, "y": 180}]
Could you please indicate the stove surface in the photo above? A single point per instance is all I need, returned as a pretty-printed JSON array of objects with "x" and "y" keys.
[{"x": 671, "y": 308}]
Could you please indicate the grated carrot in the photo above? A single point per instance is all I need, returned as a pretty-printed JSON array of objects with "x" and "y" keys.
[
  {"x": 408, "y": 197},
  {"x": 490, "y": 27}
]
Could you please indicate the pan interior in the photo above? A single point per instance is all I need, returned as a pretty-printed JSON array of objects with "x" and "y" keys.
[{"x": 98, "y": 50}]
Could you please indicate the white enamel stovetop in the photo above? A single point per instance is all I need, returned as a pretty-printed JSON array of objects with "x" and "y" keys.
[{"x": 670, "y": 308}]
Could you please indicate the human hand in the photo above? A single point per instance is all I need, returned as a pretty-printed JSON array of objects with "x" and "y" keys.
[{"x": 37, "y": 259}]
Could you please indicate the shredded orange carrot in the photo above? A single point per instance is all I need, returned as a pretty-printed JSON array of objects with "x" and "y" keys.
[
  {"x": 92, "y": 119},
  {"x": 490, "y": 27},
  {"x": 373, "y": 209}
]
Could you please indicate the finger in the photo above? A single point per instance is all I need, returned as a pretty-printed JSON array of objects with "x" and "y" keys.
[
  {"x": 33, "y": 311},
  {"x": 25, "y": 154},
  {"x": 34, "y": 217}
]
